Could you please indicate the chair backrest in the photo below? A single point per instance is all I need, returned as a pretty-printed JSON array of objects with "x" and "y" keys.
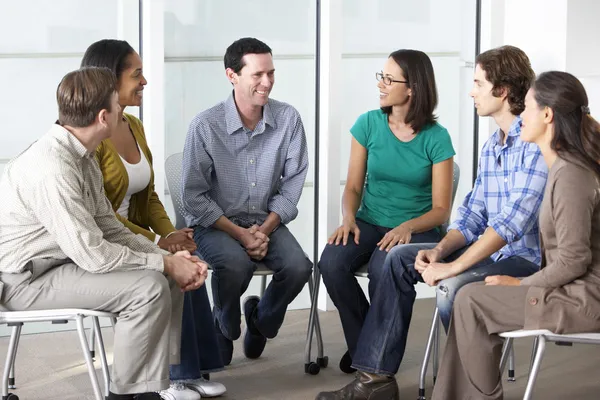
[
  {"x": 455, "y": 180},
  {"x": 173, "y": 173}
]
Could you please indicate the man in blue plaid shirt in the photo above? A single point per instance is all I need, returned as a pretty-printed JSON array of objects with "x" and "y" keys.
[{"x": 496, "y": 232}]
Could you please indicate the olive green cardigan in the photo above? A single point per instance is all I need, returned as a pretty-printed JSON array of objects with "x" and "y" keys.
[{"x": 146, "y": 213}]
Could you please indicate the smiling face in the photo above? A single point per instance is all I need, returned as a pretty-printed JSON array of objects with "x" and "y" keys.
[
  {"x": 395, "y": 94},
  {"x": 131, "y": 83},
  {"x": 254, "y": 82},
  {"x": 535, "y": 120}
]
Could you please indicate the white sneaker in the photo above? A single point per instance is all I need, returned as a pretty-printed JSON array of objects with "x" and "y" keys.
[
  {"x": 206, "y": 388},
  {"x": 178, "y": 391}
]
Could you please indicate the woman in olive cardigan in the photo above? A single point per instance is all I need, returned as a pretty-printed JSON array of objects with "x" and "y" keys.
[{"x": 126, "y": 154}]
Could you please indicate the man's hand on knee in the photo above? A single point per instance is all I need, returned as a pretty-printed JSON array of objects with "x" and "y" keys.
[{"x": 258, "y": 246}]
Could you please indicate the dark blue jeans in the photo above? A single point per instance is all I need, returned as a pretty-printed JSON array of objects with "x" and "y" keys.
[
  {"x": 382, "y": 342},
  {"x": 338, "y": 264},
  {"x": 199, "y": 346},
  {"x": 232, "y": 271}
]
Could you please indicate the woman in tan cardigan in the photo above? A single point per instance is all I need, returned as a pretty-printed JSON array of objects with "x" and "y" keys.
[
  {"x": 564, "y": 296},
  {"x": 126, "y": 164}
]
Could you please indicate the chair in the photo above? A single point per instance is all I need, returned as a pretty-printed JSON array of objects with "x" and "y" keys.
[
  {"x": 16, "y": 319},
  {"x": 173, "y": 166},
  {"x": 541, "y": 337}
]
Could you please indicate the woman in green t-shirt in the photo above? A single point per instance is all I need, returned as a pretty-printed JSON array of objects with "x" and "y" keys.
[{"x": 398, "y": 190}]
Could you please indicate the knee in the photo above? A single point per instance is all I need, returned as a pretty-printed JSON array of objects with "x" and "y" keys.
[
  {"x": 332, "y": 261},
  {"x": 299, "y": 270},
  {"x": 153, "y": 287}
]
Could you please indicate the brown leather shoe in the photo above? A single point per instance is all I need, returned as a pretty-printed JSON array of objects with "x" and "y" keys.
[{"x": 365, "y": 387}]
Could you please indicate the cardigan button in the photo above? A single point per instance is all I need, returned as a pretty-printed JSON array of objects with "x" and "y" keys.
[{"x": 533, "y": 301}]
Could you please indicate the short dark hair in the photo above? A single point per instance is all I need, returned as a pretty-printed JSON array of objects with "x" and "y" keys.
[
  {"x": 108, "y": 53},
  {"x": 418, "y": 71},
  {"x": 237, "y": 50},
  {"x": 83, "y": 93},
  {"x": 508, "y": 67},
  {"x": 576, "y": 133}
]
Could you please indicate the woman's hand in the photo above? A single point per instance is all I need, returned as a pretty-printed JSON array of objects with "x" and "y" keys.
[
  {"x": 178, "y": 241},
  {"x": 502, "y": 280},
  {"x": 399, "y": 235},
  {"x": 341, "y": 234}
]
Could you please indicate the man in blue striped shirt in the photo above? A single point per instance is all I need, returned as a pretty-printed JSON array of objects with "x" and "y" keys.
[
  {"x": 244, "y": 165},
  {"x": 496, "y": 232}
]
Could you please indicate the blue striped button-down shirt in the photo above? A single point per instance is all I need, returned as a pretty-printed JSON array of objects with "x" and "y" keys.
[
  {"x": 507, "y": 195},
  {"x": 242, "y": 174}
]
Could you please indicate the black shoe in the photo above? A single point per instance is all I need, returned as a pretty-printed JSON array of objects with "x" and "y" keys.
[
  {"x": 254, "y": 341},
  {"x": 365, "y": 387},
  {"x": 148, "y": 396},
  {"x": 346, "y": 363},
  {"x": 225, "y": 345}
]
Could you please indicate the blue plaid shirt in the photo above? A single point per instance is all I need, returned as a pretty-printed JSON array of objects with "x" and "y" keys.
[
  {"x": 242, "y": 174},
  {"x": 506, "y": 196}
]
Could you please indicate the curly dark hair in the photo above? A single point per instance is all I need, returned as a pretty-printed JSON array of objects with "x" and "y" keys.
[{"x": 508, "y": 67}]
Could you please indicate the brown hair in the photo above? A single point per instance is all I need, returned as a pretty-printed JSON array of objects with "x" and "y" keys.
[
  {"x": 576, "y": 133},
  {"x": 83, "y": 93},
  {"x": 418, "y": 71},
  {"x": 508, "y": 67}
]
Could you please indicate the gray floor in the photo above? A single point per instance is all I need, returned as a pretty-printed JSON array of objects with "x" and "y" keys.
[{"x": 50, "y": 366}]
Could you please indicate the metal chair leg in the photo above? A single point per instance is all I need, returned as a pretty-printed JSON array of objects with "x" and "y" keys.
[
  {"x": 313, "y": 323},
  {"x": 92, "y": 343},
  {"x": 428, "y": 349},
  {"x": 88, "y": 358},
  {"x": 508, "y": 342},
  {"x": 263, "y": 285},
  {"x": 11, "y": 377},
  {"x": 10, "y": 356},
  {"x": 511, "y": 364},
  {"x": 96, "y": 328},
  {"x": 537, "y": 362},
  {"x": 436, "y": 351},
  {"x": 536, "y": 342}
]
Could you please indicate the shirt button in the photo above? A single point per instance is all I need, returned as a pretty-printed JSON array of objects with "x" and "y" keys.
[
  {"x": 505, "y": 180},
  {"x": 252, "y": 161},
  {"x": 253, "y": 184},
  {"x": 253, "y": 208},
  {"x": 533, "y": 301}
]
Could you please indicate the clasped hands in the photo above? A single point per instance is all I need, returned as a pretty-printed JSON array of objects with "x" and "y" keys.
[
  {"x": 255, "y": 241},
  {"x": 182, "y": 239}
]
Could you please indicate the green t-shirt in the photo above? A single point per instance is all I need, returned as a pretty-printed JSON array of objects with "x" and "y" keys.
[{"x": 398, "y": 183}]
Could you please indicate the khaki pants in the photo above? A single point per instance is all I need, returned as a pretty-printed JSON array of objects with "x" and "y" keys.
[
  {"x": 470, "y": 368},
  {"x": 148, "y": 304}
]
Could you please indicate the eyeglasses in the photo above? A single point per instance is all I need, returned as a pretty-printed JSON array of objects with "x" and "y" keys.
[{"x": 386, "y": 79}]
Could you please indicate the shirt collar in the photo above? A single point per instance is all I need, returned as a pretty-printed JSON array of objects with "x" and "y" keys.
[
  {"x": 71, "y": 143},
  {"x": 513, "y": 132},
  {"x": 234, "y": 121}
]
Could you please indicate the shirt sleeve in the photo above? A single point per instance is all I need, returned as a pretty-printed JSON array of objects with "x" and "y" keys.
[
  {"x": 440, "y": 148},
  {"x": 472, "y": 214},
  {"x": 573, "y": 201},
  {"x": 520, "y": 213},
  {"x": 360, "y": 130},
  {"x": 58, "y": 202},
  {"x": 197, "y": 169},
  {"x": 285, "y": 201}
]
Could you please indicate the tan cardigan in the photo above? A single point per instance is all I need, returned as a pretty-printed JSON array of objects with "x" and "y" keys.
[
  {"x": 564, "y": 296},
  {"x": 146, "y": 213}
]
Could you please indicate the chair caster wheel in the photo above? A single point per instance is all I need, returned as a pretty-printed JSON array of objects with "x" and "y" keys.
[
  {"x": 312, "y": 368},
  {"x": 10, "y": 397},
  {"x": 323, "y": 361}
]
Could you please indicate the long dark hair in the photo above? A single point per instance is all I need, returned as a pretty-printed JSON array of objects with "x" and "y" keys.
[
  {"x": 108, "y": 53},
  {"x": 418, "y": 71},
  {"x": 576, "y": 133}
]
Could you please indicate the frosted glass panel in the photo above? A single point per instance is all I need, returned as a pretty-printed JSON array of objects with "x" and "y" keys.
[{"x": 58, "y": 26}]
